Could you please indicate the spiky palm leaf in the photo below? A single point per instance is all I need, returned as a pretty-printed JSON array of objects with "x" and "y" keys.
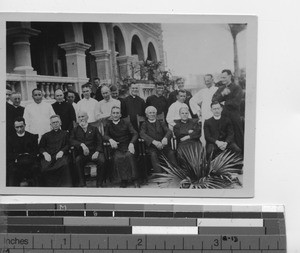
[{"x": 194, "y": 172}]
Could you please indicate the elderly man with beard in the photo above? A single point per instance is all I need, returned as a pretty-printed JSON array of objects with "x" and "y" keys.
[
  {"x": 122, "y": 137},
  {"x": 54, "y": 147},
  {"x": 87, "y": 141},
  {"x": 157, "y": 138}
]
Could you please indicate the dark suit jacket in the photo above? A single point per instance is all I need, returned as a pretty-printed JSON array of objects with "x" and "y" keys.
[
  {"x": 181, "y": 129},
  {"x": 91, "y": 138},
  {"x": 123, "y": 132},
  {"x": 77, "y": 97},
  {"x": 12, "y": 113},
  {"x": 232, "y": 100},
  {"x": 19, "y": 145},
  {"x": 154, "y": 131},
  {"x": 220, "y": 130}
]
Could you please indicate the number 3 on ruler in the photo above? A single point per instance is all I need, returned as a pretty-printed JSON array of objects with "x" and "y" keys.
[{"x": 216, "y": 242}]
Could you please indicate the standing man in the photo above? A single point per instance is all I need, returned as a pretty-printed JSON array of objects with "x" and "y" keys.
[
  {"x": 200, "y": 102},
  {"x": 13, "y": 111},
  {"x": 71, "y": 88},
  {"x": 8, "y": 94},
  {"x": 230, "y": 95},
  {"x": 158, "y": 100},
  {"x": 133, "y": 105},
  {"x": 54, "y": 147},
  {"x": 103, "y": 110},
  {"x": 173, "y": 113},
  {"x": 71, "y": 99},
  {"x": 87, "y": 141},
  {"x": 122, "y": 137},
  {"x": 98, "y": 94},
  {"x": 64, "y": 110},
  {"x": 88, "y": 104},
  {"x": 115, "y": 93},
  {"x": 219, "y": 133},
  {"x": 37, "y": 114},
  {"x": 22, "y": 163},
  {"x": 179, "y": 85},
  {"x": 157, "y": 138}
]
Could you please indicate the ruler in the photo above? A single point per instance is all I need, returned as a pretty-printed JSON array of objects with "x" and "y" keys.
[{"x": 137, "y": 228}]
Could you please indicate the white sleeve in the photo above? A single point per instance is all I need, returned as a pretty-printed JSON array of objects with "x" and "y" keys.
[
  {"x": 170, "y": 115},
  {"x": 194, "y": 102},
  {"x": 27, "y": 120}
]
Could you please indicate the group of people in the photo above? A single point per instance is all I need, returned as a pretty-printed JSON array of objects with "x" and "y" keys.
[{"x": 40, "y": 136}]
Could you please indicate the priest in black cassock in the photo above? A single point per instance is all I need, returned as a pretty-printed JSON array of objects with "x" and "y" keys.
[
  {"x": 157, "y": 138},
  {"x": 64, "y": 110},
  {"x": 218, "y": 132},
  {"x": 158, "y": 100},
  {"x": 13, "y": 111},
  {"x": 22, "y": 163},
  {"x": 54, "y": 147},
  {"x": 186, "y": 130},
  {"x": 133, "y": 105},
  {"x": 122, "y": 137}
]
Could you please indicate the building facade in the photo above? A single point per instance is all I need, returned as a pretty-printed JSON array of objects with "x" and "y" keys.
[{"x": 51, "y": 55}]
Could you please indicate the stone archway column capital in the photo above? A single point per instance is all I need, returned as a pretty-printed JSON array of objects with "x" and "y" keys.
[
  {"x": 75, "y": 47},
  {"x": 101, "y": 54}
]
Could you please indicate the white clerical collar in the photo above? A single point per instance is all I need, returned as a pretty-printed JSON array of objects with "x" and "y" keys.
[
  {"x": 21, "y": 135},
  {"x": 133, "y": 96},
  {"x": 217, "y": 118},
  {"x": 184, "y": 121},
  {"x": 152, "y": 121},
  {"x": 116, "y": 122}
]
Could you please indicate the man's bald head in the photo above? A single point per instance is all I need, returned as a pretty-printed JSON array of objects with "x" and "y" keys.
[{"x": 59, "y": 95}]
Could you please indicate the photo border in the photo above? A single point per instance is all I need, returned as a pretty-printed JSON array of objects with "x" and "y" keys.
[{"x": 250, "y": 116}]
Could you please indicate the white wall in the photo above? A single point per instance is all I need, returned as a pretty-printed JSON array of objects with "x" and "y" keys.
[{"x": 278, "y": 104}]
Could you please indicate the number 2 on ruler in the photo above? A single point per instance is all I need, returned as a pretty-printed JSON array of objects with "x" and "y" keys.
[{"x": 140, "y": 242}]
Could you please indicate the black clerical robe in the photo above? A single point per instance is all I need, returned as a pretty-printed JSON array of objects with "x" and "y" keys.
[
  {"x": 159, "y": 102},
  {"x": 12, "y": 112},
  {"x": 21, "y": 155},
  {"x": 231, "y": 109},
  {"x": 133, "y": 106},
  {"x": 182, "y": 129},
  {"x": 218, "y": 130},
  {"x": 67, "y": 114},
  {"x": 124, "y": 162},
  {"x": 98, "y": 94},
  {"x": 154, "y": 131},
  {"x": 122, "y": 132},
  {"x": 56, "y": 172}
]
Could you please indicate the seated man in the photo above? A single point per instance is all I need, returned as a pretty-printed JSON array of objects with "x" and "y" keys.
[
  {"x": 173, "y": 113},
  {"x": 218, "y": 132},
  {"x": 186, "y": 130},
  {"x": 54, "y": 147},
  {"x": 122, "y": 136},
  {"x": 22, "y": 150},
  {"x": 156, "y": 135},
  {"x": 87, "y": 141}
]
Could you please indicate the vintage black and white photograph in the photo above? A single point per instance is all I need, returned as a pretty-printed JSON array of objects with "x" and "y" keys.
[{"x": 129, "y": 106}]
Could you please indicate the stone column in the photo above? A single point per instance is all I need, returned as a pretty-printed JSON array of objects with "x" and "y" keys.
[
  {"x": 103, "y": 64},
  {"x": 75, "y": 57},
  {"x": 124, "y": 62},
  {"x": 20, "y": 36}
]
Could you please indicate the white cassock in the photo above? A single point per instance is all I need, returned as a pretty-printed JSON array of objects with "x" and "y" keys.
[
  {"x": 173, "y": 113},
  {"x": 37, "y": 118},
  {"x": 103, "y": 109},
  {"x": 204, "y": 98},
  {"x": 88, "y": 106},
  {"x": 75, "y": 109}
]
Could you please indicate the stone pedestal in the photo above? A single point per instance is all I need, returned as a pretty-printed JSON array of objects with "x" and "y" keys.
[
  {"x": 20, "y": 37},
  {"x": 103, "y": 64},
  {"x": 124, "y": 62},
  {"x": 75, "y": 57}
]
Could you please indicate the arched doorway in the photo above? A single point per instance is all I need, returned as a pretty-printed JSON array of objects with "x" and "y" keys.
[
  {"x": 137, "y": 48},
  {"x": 151, "y": 53},
  {"x": 46, "y": 56},
  {"x": 119, "y": 41}
]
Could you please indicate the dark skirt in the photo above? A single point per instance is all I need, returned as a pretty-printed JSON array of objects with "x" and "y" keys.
[{"x": 124, "y": 166}]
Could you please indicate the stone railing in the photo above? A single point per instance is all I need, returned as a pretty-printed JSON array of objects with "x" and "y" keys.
[
  {"x": 48, "y": 84},
  {"x": 146, "y": 90}
]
